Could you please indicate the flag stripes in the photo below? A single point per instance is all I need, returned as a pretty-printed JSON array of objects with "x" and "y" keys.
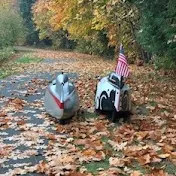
[{"x": 122, "y": 65}]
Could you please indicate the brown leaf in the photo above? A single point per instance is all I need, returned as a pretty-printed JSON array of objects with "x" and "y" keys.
[
  {"x": 144, "y": 159},
  {"x": 76, "y": 174},
  {"x": 3, "y": 114},
  {"x": 67, "y": 159},
  {"x": 141, "y": 135},
  {"x": 80, "y": 141},
  {"x": 173, "y": 154},
  {"x": 116, "y": 162},
  {"x": 163, "y": 156},
  {"x": 21, "y": 122},
  {"x": 136, "y": 173},
  {"x": 158, "y": 172},
  {"x": 51, "y": 136},
  {"x": 42, "y": 167},
  {"x": 167, "y": 148}
]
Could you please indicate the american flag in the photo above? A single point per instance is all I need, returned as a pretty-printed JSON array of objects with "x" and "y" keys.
[{"x": 122, "y": 65}]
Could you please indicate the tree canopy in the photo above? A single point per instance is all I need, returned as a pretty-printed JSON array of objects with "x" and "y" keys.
[
  {"x": 26, "y": 13},
  {"x": 12, "y": 30}
]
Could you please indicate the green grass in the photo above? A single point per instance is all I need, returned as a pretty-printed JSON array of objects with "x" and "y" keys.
[
  {"x": 9, "y": 67},
  {"x": 4, "y": 73},
  {"x": 28, "y": 59},
  {"x": 105, "y": 139},
  {"x": 166, "y": 165},
  {"x": 94, "y": 166},
  {"x": 89, "y": 115},
  {"x": 153, "y": 103},
  {"x": 81, "y": 147},
  {"x": 136, "y": 166}
]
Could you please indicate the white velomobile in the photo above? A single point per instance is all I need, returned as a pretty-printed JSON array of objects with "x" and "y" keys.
[
  {"x": 61, "y": 98},
  {"x": 112, "y": 95}
]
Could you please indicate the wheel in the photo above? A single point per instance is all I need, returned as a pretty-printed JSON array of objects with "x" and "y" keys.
[
  {"x": 113, "y": 116},
  {"x": 125, "y": 102},
  {"x": 102, "y": 101}
]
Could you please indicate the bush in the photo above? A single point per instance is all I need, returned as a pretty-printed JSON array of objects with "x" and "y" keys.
[
  {"x": 164, "y": 63},
  {"x": 6, "y": 53},
  {"x": 60, "y": 40},
  {"x": 12, "y": 30},
  {"x": 96, "y": 44}
]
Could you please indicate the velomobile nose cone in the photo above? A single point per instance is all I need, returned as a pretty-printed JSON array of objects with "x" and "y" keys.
[
  {"x": 53, "y": 105},
  {"x": 61, "y": 98}
]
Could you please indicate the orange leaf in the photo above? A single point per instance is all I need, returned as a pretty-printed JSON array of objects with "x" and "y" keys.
[
  {"x": 51, "y": 136},
  {"x": 89, "y": 152},
  {"x": 42, "y": 167},
  {"x": 136, "y": 173},
  {"x": 168, "y": 148},
  {"x": 144, "y": 159},
  {"x": 3, "y": 114}
]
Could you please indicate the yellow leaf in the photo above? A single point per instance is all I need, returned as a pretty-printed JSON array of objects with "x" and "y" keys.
[{"x": 166, "y": 155}]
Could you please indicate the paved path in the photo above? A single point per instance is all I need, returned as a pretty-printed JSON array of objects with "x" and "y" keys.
[{"x": 21, "y": 98}]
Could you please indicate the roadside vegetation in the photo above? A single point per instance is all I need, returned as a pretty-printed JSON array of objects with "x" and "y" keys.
[{"x": 96, "y": 27}]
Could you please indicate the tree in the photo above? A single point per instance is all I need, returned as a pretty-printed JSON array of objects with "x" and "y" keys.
[
  {"x": 12, "y": 30},
  {"x": 26, "y": 12},
  {"x": 158, "y": 27},
  {"x": 84, "y": 19}
]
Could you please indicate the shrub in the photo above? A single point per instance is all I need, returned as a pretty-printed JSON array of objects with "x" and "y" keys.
[
  {"x": 12, "y": 30},
  {"x": 164, "y": 63},
  {"x": 5, "y": 53},
  {"x": 96, "y": 44},
  {"x": 60, "y": 40}
]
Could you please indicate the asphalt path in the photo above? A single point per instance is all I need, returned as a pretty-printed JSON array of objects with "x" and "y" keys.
[{"x": 22, "y": 149}]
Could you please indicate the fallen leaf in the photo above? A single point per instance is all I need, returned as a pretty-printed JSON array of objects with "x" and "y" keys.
[
  {"x": 89, "y": 152},
  {"x": 136, "y": 173},
  {"x": 163, "y": 156},
  {"x": 51, "y": 136},
  {"x": 144, "y": 159},
  {"x": 116, "y": 146},
  {"x": 116, "y": 162},
  {"x": 141, "y": 135},
  {"x": 42, "y": 167}
]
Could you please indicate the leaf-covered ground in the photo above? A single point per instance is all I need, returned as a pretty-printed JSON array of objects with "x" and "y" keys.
[{"x": 32, "y": 143}]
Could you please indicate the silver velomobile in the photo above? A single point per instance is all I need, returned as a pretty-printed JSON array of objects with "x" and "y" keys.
[{"x": 61, "y": 98}]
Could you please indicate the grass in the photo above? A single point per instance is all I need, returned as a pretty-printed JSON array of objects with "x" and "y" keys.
[
  {"x": 27, "y": 58},
  {"x": 136, "y": 166},
  {"x": 89, "y": 115},
  {"x": 153, "y": 103},
  {"x": 9, "y": 68},
  {"x": 166, "y": 165},
  {"x": 94, "y": 166},
  {"x": 4, "y": 73},
  {"x": 105, "y": 139}
]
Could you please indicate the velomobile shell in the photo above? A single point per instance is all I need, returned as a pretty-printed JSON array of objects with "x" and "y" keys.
[{"x": 61, "y": 98}]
